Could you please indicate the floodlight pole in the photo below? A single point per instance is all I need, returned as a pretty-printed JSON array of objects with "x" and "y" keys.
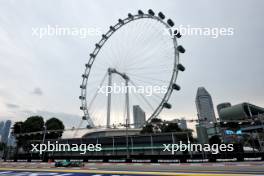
[
  {"x": 43, "y": 140},
  {"x": 127, "y": 104},
  {"x": 127, "y": 147},
  {"x": 44, "y": 133},
  {"x": 109, "y": 89}
]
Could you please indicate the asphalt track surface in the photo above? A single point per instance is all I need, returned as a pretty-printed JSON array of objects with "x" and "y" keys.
[{"x": 115, "y": 169}]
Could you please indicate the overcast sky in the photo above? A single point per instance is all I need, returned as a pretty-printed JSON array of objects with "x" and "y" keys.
[{"x": 42, "y": 76}]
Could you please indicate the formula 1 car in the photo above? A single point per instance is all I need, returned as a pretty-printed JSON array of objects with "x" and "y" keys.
[{"x": 68, "y": 163}]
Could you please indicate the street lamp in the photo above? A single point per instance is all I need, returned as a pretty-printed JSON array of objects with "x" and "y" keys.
[
  {"x": 44, "y": 133},
  {"x": 44, "y": 136}
]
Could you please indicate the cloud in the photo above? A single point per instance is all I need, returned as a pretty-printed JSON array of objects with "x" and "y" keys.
[
  {"x": 55, "y": 64},
  {"x": 37, "y": 91},
  {"x": 12, "y": 106}
]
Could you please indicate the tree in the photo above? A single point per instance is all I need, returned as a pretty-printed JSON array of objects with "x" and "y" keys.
[
  {"x": 33, "y": 124},
  {"x": 36, "y": 124},
  {"x": 147, "y": 129},
  {"x": 17, "y": 130},
  {"x": 152, "y": 127},
  {"x": 54, "y": 124},
  {"x": 157, "y": 125},
  {"x": 171, "y": 127},
  {"x": 156, "y": 120},
  {"x": 2, "y": 146}
]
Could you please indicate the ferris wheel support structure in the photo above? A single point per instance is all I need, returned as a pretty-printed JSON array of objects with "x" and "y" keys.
[{"x": 109, "y": 92}]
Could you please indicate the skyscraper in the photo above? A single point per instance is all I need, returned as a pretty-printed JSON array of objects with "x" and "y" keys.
[
  {"x": 5, "y": 131},
  {"x": 205, "y": 108},
  {"x": 139, "y": 116},
  {"x": 1, "y": 126},
  {"x": 1, "y": 129}
]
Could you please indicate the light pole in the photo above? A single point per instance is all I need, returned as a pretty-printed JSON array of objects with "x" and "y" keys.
[
  {"x": 127, "y": 147},
  {"x": 44, "y": 133},
  {"x": 110, "y": 71},
  {"x": 44, "y": 136},
  {"x": 18, "y": 141}
]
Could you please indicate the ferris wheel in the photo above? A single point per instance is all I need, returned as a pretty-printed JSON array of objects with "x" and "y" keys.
[{"x": 138, "y": 55}]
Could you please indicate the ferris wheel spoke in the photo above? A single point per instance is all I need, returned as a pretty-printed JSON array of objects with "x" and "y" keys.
[
  {"x": 147, "y": 45},
  {"x": 154, "y": 94},
  {"x": 141, "y": 31},
  {"x": 145, "y": 64},
  {"x": 148, "y": 78},
  {"x": 136, "y": 43},
  {"x": 146, "y": 101},
  {"x": 152, "y": 68},
  {"x": 157, "y": 96},
  {"x": 148, "y": 71},
  {"x": 118, "y": 49},
  {"x": 130, "y": 46},
  {"x": 147, "y": 58},
  {"x": 96, "y": 93}
]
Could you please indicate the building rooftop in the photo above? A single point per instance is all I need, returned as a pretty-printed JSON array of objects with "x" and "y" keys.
[{"x": 240, "y": 111}]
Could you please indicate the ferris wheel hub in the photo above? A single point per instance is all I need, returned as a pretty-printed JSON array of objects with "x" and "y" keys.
[{"x": 113, "y": 70}]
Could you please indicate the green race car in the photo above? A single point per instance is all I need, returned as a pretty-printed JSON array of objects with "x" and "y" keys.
[{"x": 68, "y": 163}]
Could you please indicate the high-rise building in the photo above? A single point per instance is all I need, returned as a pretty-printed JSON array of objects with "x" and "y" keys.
[
  {"x": 5, "y": 131},
  {"x": 205, "y": 108},
  {"x": 139, "y": 116},
  {"x": 222, "y": 106},
  {"x": 2, "y": 124}
]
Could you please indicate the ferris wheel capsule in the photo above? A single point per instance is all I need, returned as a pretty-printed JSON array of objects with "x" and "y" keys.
[
  {"x": 167, "y": 105},
  {"x": 176, "y": 86},
  {"x": 177, "y": 34},
  {"x": 170, "y": 23},
  {"x": 181, "y": 49},
  {"x": 181, "y": 67},
  {"x": 140, "y": 12},
  {"x": 130, "y": 16},
  {"x": 161, "y": 15},
  {"x": 120, "y": 21},
  {"x": 150, "y": 11}
]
